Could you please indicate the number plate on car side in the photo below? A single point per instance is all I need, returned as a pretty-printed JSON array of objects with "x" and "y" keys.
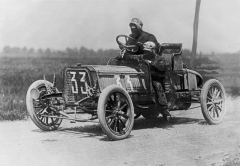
[{"x": 132, "y": 83}]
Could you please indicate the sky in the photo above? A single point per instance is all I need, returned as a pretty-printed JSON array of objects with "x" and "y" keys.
[{"x": 58, "y": 24}]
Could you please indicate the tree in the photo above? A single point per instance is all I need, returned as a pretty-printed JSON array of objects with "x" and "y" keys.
[
  {"x": 40, "y": 52},
  {"x": 15, "y": 50},
  {"x": 31, "y": 51},
  {"x": 83, "y": 52},
  {"x": 24, "y": 49},
  {"x": 6, "y": 50},
  {"x": 48, "y": 52},
  {"x": 72, "y": 52}
]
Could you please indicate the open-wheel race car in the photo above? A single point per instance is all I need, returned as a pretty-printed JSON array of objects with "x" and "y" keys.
[{"x": 117, "y": 94}]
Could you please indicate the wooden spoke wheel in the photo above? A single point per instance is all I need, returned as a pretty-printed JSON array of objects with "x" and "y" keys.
[
  {"x": 115, "y": 112},
  {"x": 213, "y": 101},
  {"x": 40, "y": 110}
]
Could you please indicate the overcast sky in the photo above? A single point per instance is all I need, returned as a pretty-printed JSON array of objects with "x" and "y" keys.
[{"x": 58, "y": 24}]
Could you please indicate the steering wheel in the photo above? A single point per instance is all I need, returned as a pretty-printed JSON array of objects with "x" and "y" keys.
[{"x": 131, "y": 48}]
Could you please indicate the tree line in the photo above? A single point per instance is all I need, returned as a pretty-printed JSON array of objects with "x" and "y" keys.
[
  {"x": 98, "y": 56},
  {"x": 8, "y": 51}
]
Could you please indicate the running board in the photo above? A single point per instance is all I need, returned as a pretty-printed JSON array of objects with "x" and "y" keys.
[{"x": 143, "y": 106}]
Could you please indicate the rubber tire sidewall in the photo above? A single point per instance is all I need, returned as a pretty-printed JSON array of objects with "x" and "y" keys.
[
  {"x": 203, "y": 97},
  {"x": 101, "y": 111},
  {"x": 30, "y": 109}
]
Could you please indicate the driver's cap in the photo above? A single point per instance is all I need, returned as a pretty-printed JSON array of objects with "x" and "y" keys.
[{"x": 136, "y": 22}]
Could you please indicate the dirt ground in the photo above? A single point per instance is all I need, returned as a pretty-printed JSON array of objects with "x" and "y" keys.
[{"x": 186, "y": 140}]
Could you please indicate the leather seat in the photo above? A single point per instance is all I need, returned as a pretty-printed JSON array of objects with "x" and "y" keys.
[{"x": 172, "y": 54}]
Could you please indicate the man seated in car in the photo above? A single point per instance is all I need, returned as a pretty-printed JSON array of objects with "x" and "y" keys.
[{"x": 148, "y": 51}]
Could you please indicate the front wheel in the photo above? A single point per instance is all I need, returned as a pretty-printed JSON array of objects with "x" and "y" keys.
[
  {"x": 213, "y": 101},
  {"x": 115, "y": 112},
  {"x": 39, "y": 110}
]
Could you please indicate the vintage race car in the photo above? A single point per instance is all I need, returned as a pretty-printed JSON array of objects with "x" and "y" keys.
[{"x": 117, "y": 94}]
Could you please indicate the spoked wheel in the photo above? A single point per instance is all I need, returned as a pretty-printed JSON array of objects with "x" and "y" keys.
[
  {"x": 39, "y": 110},
  {"x": 115, "y": 112},
  {"x": 213, "y": 101}
]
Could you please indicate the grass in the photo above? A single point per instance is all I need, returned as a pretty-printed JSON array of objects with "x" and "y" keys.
[{"x": 12, "y": 108}]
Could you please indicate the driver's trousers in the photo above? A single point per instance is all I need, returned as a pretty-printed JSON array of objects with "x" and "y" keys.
[
  {"x": 161, "y": 97},
  {"x": 166, "y": 94},
  {"x": 162, "y": 84}
]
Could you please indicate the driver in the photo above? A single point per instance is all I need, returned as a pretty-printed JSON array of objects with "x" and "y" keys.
[
  {"x": 141, "y": 36},
  {"x": 148, "y": 51}
]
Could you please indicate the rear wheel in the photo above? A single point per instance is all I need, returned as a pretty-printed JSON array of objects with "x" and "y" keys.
[
  {"x": 115, "y": 112},
  {"x": 213, "y": 101},
  {"x": 38, "y": 110}
]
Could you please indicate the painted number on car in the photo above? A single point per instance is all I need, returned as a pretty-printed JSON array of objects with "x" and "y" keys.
[
  {"x": 81, "y": 82},
  {"x": 131, "y": 83},
  {"x": 128, "y": 81}
]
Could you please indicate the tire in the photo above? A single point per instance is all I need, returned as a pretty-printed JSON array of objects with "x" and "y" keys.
[
  {"x": 115, "y": 112},
  {"x": 151, "y": 113},
  {"x": 213, "y": 101},
  {"x": 44, "y": 123}
]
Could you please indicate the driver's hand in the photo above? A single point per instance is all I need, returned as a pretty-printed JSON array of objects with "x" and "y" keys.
[
  {"x": 122, "y": 52},
  {"x": 121, "y": 47},
  {"x": 136, "y": 57}
]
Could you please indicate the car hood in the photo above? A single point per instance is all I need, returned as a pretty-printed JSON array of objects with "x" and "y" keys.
[{"x": 114, "y": 69}]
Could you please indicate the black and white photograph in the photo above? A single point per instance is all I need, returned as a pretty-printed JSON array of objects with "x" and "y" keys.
[{"x": 120, "y": 82}]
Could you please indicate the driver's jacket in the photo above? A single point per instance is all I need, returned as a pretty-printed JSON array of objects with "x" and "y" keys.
[{"x": 143, "y": 38}]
